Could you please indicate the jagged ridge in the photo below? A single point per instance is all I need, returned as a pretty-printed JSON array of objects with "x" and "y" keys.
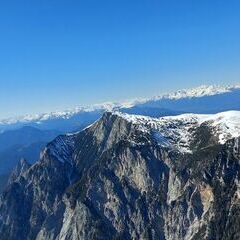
[{"x": 122, "y": 184}]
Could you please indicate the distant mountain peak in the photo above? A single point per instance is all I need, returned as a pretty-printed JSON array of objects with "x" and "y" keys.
[{"x": 203, "y": 90}]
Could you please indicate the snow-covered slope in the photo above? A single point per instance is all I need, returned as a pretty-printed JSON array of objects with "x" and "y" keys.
[{"x": 180, "y": 131}]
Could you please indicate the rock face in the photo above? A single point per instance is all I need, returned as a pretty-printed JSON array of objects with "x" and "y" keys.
[{"x": 128, "y": 177}]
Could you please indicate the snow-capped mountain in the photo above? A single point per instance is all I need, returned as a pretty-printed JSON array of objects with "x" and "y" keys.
[
  {"x": 201, "y": 91},
  {"x": 203, "y": 99},
  {"x": 129, "y": 177}
]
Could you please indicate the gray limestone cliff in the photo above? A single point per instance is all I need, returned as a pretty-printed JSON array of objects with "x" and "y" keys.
[{"x": 118, "y": 179}]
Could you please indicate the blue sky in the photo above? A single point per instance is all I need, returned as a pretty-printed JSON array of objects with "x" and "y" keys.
[{"x": 58, "y": 54}]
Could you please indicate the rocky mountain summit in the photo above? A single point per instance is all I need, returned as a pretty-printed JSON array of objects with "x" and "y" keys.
[
  {"x": 131, "y": 177},
  {"x": 26, "y": 136}
]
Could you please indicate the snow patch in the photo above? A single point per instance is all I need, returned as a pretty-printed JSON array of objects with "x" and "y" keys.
[{"x": 61, "y": 148}]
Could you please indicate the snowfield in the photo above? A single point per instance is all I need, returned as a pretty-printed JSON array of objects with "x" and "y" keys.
[{"x": 177, "y": 130}]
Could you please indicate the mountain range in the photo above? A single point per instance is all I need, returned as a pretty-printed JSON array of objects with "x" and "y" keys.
[
  {"x": 25, "y": 137},
  {"x": 203, "y": 99},
  {"x": 131, "y": 177}
]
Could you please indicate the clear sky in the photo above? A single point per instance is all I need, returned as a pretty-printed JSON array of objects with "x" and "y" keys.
[{"x": 57, "y": 54}]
